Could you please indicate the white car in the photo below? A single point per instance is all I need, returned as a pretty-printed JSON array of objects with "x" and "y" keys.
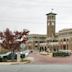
[{"x": 26, "y": 53}]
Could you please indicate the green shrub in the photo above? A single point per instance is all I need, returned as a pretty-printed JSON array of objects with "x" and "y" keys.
[{"x": 62, "y": 54}]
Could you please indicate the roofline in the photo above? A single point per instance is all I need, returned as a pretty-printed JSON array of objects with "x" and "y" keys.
[{"x": 51, "y": 13}]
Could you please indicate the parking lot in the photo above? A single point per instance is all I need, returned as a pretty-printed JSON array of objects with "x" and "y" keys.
[{"x": 47, "y": 59}]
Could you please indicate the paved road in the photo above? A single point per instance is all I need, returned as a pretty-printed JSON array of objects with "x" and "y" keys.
[
  {"x": 41, "y": 64},
  {"x": 35, "y": 68},
  {"x": 42, "y": 59}
]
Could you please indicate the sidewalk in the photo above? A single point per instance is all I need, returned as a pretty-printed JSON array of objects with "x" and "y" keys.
[{"x": 46, "y": 53}]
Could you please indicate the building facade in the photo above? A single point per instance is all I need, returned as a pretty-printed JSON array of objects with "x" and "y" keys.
[
  {"x": 51, "y": 22},
  {"x": 52, "y": 41}
]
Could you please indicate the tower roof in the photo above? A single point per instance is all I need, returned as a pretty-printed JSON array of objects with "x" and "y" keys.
[{"x": 51, "y": 13}]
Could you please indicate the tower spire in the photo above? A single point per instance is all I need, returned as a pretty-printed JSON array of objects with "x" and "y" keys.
[{"x": 52, "y": 10}]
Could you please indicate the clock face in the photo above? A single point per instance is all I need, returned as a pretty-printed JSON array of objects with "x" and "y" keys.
[{"x": 52, "y": 23}]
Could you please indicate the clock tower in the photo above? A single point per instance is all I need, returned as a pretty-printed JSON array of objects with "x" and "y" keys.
[{"x": 51, "y": 22}]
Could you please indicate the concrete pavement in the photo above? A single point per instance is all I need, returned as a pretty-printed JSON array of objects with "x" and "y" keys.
[
  {"x": 48, "y": 59},
  {"x": 36, "y": 68}
]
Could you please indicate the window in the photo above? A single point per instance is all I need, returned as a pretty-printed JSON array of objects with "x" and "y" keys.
[
  {"x": 36, "y": 46},
  {"x": 36, "y": 41},
  {"x": 64, "y": 47},
  {"x": 52, "y": 17},
  {"x": 55, "y": 40},
  {"x": 64, "y": 39}
]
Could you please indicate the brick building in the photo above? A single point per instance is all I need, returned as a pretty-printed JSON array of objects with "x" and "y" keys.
[{"x": 51, "y": 41}]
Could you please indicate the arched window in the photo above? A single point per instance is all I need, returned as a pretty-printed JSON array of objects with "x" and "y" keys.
[
  {"x": 64, "y": 39},
  {"x": 54, "y": 49},
  {"x": 64, "y": 47}
]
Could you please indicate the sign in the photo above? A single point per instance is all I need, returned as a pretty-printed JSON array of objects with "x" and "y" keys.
[{"x": 23, "y": 46}]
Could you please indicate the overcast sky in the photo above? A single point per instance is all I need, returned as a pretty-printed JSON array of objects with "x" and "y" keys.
[{"x": 31, "y": 14}]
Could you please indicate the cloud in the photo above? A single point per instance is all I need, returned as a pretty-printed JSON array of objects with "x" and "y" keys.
[{"x": 17, "y": 14}]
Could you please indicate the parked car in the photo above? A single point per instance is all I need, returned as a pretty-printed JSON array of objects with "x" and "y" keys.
[
  {"x": 5, "y": 56},
  {"x": 8, "y": 56}
]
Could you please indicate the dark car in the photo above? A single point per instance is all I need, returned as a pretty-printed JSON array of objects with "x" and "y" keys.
[{"x": 7, "y": 56}]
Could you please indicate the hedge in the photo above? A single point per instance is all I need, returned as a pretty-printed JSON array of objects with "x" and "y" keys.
[{"x": 62, "y": 54}]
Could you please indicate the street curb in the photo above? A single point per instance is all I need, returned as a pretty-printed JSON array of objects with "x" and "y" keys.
[
  {"x": 13, "y": 63},
  {"x": 4, "y": 63}
]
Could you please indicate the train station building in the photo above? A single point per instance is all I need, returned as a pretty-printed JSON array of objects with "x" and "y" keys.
[{"x": 52, "y": 41}]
